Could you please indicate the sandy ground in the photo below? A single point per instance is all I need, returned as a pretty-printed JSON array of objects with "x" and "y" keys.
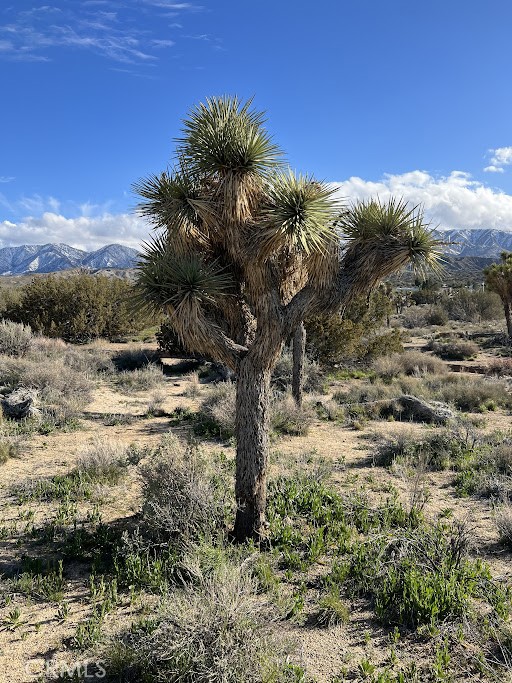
[{"x": 347, "y": 453}]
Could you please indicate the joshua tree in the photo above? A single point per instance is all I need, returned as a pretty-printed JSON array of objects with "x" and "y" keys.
[
  {"x": 498, "y": 278},
  {"x": 247, "y": 251}
]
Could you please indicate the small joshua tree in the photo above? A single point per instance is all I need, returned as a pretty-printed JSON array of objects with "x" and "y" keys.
[
  {"x": 498, "y": 278},
  {"x": 247, "y": 250}
]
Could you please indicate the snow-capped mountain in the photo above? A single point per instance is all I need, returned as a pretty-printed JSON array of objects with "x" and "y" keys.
[
  {"x": 482, "y": 243},
  {"x": 49, "y": 258}
]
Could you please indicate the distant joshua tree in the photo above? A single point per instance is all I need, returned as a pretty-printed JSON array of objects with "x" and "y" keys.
[
  {"x": 498, "y": 278},
  {"x": 246, "y": 251}
]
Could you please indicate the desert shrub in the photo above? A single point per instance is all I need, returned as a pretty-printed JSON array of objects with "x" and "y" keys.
[
  {"x": 503, "y": 518},
  {"x": 371, "y": 400},
  {"x": 89, "y": 361},
  {"x": 148, "y": 377},
  {"x": 216, "y": 415},
  {"x": 331, "y": 338},
  {"x": 58, "y": 387},
  {"x": 427, "y": 292},
  {"x": 213, "y": 633},
  {"x": 287, "y": 418},
  {"x": 408, "y": 363},
  {"x": 102, "y": 461},
  {"x": 134, "y": 359},
  {"x": 314, "y": 379},
  {"x": 15, "y": 338},
  {"x": 10, "y": 447},
  {"x": 471, "y": 395},
  {"x": 499, "y": 367},
  {"x": 184, "y": 498},
  {"x": 488, "y": 472},
  {"x": 472, "y": 306},
  {"x": 414, "y": 317},
  {"x": 438, "y": 450},
  {"x": 77, "y": 308},
  {"x": 454, "y": 349},
  {"x": 435, "y": 315},
  {"x": 420, "y": 576}
]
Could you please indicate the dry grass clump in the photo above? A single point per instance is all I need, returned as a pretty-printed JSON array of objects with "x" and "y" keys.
[
  {"x": 413, "y": 363},
  {"x": 314, "y": 379},
  {"x": 216, "y": 415},
  {"x": 142, "y": 379},
  {"x": 500, "y": 367},
  {"x": 503, "y": 519},
  {"x": 475, "y": 394},
  {"x": 454, "y": 349},
  {"x": 10, "y": 447},
  {"x": 57, "y": 385},
  {"x": 15, "y": 338},
  {"x": 102, "y": 461},
  {"x": 155, "y": 404},
  {"x": 213, "y": 633},
  {"x": 184, "y": 498},
  {"x": 287, "y": 418},
  {"x": 193, "y": 388}
]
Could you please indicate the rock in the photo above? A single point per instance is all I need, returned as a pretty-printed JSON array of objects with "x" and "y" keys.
[
  {"x": 413, "y": 408},
  {"x": 19, "y": 404}
]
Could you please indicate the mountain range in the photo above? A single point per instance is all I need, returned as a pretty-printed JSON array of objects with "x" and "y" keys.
[
  {"x": 476, "y": 243},
  {"x": 49, "y": 258}
]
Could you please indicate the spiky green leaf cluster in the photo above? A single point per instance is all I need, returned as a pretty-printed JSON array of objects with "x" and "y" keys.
[
  {"x": 371, "y": 221},
  {"x": 169, "y": 199},
  {"x": 166, "y": 279},
  {"x": 223, "y": 135},
  {"x": 298, "y": 213}
]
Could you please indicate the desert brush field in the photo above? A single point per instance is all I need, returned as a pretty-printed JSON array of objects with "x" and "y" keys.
[{"x": 387, "y": 555}]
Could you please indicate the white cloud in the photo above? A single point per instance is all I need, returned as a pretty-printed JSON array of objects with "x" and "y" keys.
[
  {"x": 453, "y": 201},
  {"x": 7, "y": 178},
  {"x": 500, "y": 157},
  {"x": 83, "y": 232}
]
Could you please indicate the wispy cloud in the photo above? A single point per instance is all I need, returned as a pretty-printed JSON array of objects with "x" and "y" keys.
[
  {"x": 123, "y": 32},
  {"x": 500, "y": 157},
  {"x": 7, "y": 178}
]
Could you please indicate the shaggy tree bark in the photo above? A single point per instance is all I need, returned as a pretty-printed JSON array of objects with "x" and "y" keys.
[
  {"x": 299, "y": 353},
  {"x": 252, "y": 438},
  {"x": 506, "y": 307}
]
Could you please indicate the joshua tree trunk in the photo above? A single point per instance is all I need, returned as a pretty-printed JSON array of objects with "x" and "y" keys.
[
  {"x": 299, "y": 352},
  {"x": 506, "y": 307},
  {"x": 252, "y": 435}
]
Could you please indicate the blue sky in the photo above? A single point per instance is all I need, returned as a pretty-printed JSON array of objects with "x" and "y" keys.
[{"x": 380, "y": 96}]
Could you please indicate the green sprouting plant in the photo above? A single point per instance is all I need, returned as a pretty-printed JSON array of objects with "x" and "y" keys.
[
  {"x": 63, "y": 611},
  {"x": 13, "y": 619},
  {"x": 297, "y": 602},
  {"x": 43, "y": 581},
  {"x": 442, "y": 663},
  {"x": 419, "y": 576},
  {"x": 332, "y": 609},
  {"x": 309, "y": 520}
]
